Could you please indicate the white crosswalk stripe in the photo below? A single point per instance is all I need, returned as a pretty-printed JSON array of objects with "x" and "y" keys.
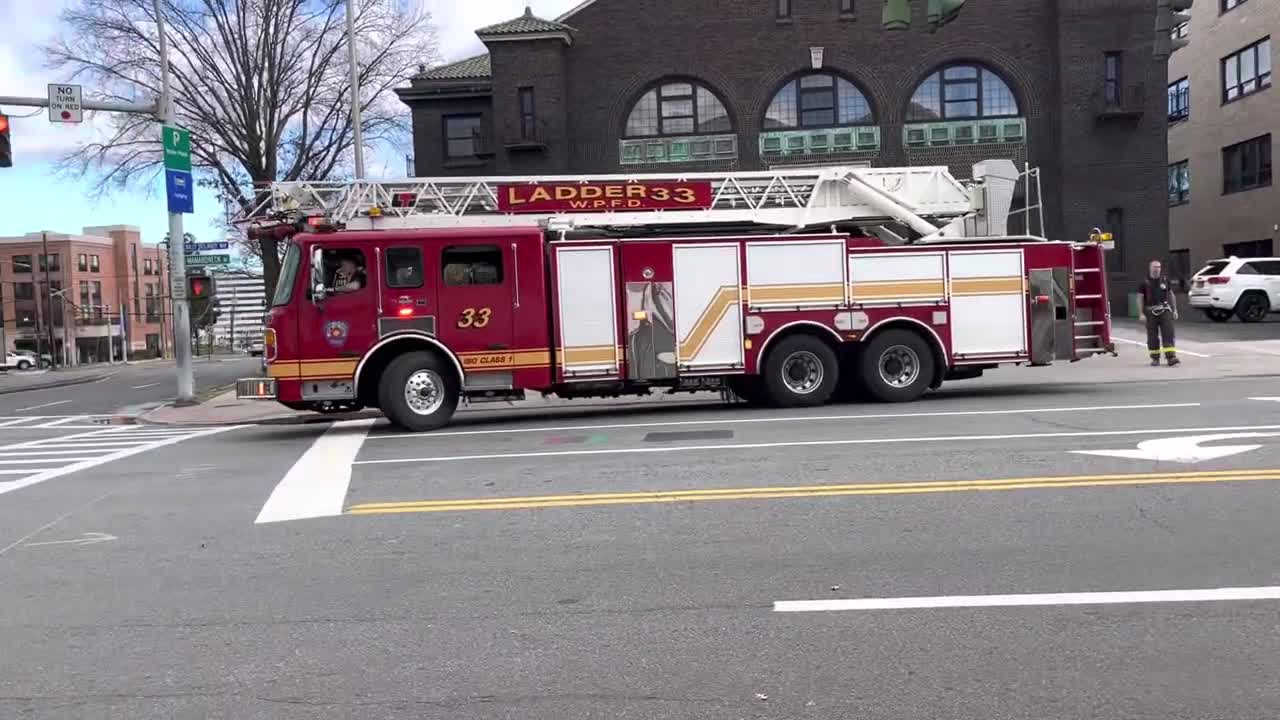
[
  {"x": 70, "y": 422},
  {"x": 27, "y": 463}
]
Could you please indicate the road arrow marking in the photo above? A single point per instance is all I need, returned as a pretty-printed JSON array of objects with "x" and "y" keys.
[
  {"x": 92, "y": 538},
  {"x": 1182, "y": 449}
]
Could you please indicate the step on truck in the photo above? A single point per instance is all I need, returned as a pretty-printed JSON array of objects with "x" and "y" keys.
[{"x": 783, "y": 288}]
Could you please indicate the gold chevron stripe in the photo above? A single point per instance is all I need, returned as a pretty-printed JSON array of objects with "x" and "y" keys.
[{"x": 710, "y": 319}]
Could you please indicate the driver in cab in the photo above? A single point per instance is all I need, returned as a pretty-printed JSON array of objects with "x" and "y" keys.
[{"x": 348, "y": 277}]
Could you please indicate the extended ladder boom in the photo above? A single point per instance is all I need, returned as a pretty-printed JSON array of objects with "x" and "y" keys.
[{"x": 798, "y": 197}]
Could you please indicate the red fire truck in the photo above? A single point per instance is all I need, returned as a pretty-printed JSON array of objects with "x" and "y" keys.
[{"x": 782, "y": 287}]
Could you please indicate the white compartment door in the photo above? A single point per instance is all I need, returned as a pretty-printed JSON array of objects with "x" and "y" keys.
[
  {"x": 988, "y": 303},
  {"x": 708, "y": 306},
  {"x": 588, "y": 312}
]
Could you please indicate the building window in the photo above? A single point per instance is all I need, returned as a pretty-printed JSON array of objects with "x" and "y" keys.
[
  {"x": 528, "y": 118},
  {"x": 677, "y": 108},
  {"x": 146, "y": 266},
  {"x": 1247, "y": 71},
  {"x": 1181, "y": 30},
  {"x": 1246, "y": 165},
  {"x": 784, "y": 9},
  {"x": 846, "y": 7},
  {"x": 1179, "y": 183},
  {"x": 21, "y": 264},
  {"x": 24, "y": 291},
  {"x": 1115, "y": 226},
  {"x": 51, "y": 262},
  {"x": 1179, "y": 100},
  {"x": 1112, "y": 63},
  {"x": 818, "y": 100},
  {"x": 472, "y": 265},
  {"x": 962, "y": 92},
  {"x": 1249, "y": 249},
  {"x": 84, "y": 298},
  {"x": 462, "y": 137},
  {"x": 94, "y": 265},
  {"x": 1228, "y": 5},
  {"x": 83, "y": 262}
]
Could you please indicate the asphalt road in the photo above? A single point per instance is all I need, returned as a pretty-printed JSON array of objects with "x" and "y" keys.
[
  {"x": 126, "y": 389},
  {"x": 600, "y": 564}
]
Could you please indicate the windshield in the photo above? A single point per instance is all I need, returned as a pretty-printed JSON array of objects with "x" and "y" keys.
[
  {"x": 1213, "y": 268},
  {"x": 288, "y": 273}
]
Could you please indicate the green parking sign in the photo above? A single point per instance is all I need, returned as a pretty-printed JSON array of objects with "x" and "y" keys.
[{"x": 177, "y": 148}]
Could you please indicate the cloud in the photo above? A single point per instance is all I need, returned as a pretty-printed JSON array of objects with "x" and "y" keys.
[{"x": 456, "y": 22}]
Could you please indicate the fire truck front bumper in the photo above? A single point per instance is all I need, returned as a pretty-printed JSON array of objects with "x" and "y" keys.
[{"x": 257, "y": 388}]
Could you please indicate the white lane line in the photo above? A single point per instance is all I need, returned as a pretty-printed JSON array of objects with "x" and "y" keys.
[
  {"x": 17, "y": 421},
  {"x": 1143, "y": 345},
  {"x": 812, "y": 443},
  {"x": 316, "y": 485},
  {"x": 30, "y": 460},
  {"x": 63, "y": 421},
  {"x": 38, "y": 451},
  {"x": 144, "y": 387},
  {"x": 108, "y": 455},
  {"x": 1269, "y": 592},
  {"x": 1266, "y": 399},
  {"x": 789, "y": 418},
  {"x": 37, "y": 407}
]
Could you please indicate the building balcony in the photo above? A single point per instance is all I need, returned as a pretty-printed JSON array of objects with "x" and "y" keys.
[
  {"x": 802, "y": 144},
  {"x": 684, "y": 149},
  {"x": 1125, "y": 102},
  {"x": 965, "y": 132}
]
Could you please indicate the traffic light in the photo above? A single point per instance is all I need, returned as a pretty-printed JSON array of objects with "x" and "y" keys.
[
  {"x": 1169, "y": 15},
  {"x": 6, "y": 150},
  {"x": 942, "y": 12},
  {"x": 199, "y": 287},
  {"x": 896, "y": 15}
]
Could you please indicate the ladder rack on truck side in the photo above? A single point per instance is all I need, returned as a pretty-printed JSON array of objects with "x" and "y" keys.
[{"x": 928, "y": 200}]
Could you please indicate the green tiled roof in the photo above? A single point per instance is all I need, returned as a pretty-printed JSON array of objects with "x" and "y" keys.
[
  {"x": 527, "y": 23},
  {"x": 472, "y": 67}
]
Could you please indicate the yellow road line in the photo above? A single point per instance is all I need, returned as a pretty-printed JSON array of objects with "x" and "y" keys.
[{"x": 802, "y": 491}]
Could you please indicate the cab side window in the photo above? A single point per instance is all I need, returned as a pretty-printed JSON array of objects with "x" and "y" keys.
[
  {"x": 404, "y": 267},
  {"x": 472, "y": 265},
  {"x": 344, "y": 270}
]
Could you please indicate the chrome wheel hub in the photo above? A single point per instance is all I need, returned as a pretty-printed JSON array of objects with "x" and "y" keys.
[
  {"x": 424, "y": 392},
  {"x": 802, "y": 372},
  {"x": 899, "y": 366}
]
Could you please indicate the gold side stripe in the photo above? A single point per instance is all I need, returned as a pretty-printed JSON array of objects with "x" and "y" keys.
[
  {"x": 986, "y": 286},
  {"x": 588, "y": 355},
  {"x": 909, "y": 289},
  {"x": 796, "y": 293},
  {"x": 711, "y": 316},
  {"x": 478, "y": 362}
]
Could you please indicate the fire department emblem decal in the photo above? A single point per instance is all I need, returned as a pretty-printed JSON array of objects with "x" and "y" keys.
[{"x": 335, "y": 333}]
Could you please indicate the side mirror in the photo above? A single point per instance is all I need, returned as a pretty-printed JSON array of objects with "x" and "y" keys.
[{"x": 318, "y": 290}]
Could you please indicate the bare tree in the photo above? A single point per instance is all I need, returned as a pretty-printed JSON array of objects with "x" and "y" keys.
[{"x": 263, "y": 86}]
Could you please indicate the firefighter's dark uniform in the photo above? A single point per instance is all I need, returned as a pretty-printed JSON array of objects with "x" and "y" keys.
[{"x": 1156, "y": 302}]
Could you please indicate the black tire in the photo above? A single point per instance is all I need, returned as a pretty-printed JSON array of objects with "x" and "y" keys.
[
  {"x": 428, "y": 370},
  {"x": 1217, "y": 315},
  {"x": 903, "y": 355},
  {"x": 800, "y": 371},
  {"x": 24, "y": 365},
  {"x": 1253, "y": 307}
]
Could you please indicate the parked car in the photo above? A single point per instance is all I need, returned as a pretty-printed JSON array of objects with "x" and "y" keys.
[
  {"x": 255, "y": 348},
  {"x": 18, "y": 361},
  {"x": 1248, "y": 288}
]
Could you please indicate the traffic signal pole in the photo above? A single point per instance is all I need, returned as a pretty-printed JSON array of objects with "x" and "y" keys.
[{"x": 177, "y": 257}]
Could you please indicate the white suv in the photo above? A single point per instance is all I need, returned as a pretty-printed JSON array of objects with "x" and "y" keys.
[{"x": 1246, "y": 287}]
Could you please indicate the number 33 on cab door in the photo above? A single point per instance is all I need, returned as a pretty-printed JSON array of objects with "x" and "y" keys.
[{"x": 474, "y": 317}]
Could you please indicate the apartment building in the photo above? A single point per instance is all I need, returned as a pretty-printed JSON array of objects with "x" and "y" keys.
[
  {"x": 1223, "y": 113},
  {"x": 78, "y": 297}
]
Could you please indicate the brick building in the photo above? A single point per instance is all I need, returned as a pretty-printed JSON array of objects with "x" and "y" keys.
[
  {"x": 90, "y": 278},
  {"x": 652, "y": 85},
  {"x": 1222, "y": 113}
]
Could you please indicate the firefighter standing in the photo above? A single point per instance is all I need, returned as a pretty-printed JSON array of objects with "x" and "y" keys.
[{"x": 1160, "y": 308}]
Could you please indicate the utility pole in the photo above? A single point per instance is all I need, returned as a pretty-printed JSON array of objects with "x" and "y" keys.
[
  {"x": 357, "y": 131},
  {"x": 177, "y": 260},
  {"x": 231, "y": 337},
  {"x": 48, "y": 293}
]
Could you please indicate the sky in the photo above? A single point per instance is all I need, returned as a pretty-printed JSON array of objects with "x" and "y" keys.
[{"x": 33, "y": 197}]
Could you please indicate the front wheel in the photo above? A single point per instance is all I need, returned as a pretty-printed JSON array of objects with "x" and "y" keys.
[
  {"x": 1253, "y": 307},
  {"x": 419, "y": 392},
  {"x": 24, "y": 365},
  {"x": 897, "y": 366},
  {"x": 1217, "y": 314},
  {"x": 802, "y": 371}
]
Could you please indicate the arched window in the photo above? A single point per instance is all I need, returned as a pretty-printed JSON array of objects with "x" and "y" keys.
[
  {"x": 677, "y": 107},
  {"x": 962, "y": 91},
  {"x": 818, "y": 100}
]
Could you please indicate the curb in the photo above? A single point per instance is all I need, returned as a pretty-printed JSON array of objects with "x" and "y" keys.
[
  {"x": 55, "y": 384},
  {"x": 271, "y": 420}
]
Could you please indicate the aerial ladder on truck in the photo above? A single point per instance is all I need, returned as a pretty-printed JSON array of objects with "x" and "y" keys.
[{"x": 970, "y": 294}]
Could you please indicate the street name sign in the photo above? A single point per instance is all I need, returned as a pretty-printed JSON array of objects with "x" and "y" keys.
[
  {"x": 192, "y": 248},
  {"x": 65, "y": 103},
  {"x": 204, "y": 260}
]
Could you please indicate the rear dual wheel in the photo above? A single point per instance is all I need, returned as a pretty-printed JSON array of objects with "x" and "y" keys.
[
  {"x": 801, "y": 371},
  {"x": 896, "y": 366}
]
